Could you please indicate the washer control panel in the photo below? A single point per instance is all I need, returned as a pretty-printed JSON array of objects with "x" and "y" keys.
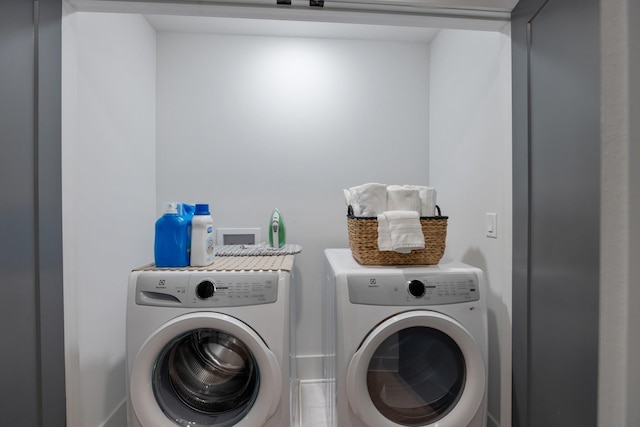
[
  {"x": 206, "y": 289},
  {"x": 426, "y": 289}
]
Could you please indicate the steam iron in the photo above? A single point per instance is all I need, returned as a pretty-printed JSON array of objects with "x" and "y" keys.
[{"x": 277, "y": 235}]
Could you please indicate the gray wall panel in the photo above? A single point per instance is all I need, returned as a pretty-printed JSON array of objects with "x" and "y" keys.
[
  {"x": 520, "y": 296},
  {"x": 31, "y": 313},
  {"x": 557, "y": 138},
  {"x": 565, "y": 213},
  {"x": 633, "y": 386},
  {"x": 18, "y": 359}
]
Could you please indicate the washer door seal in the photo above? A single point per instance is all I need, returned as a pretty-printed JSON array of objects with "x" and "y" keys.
[
  {"x": 141, "y": 385},
  {"x": 462, "y": 408}
]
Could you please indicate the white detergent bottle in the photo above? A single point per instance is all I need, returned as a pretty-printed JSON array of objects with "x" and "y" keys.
[{"x": 201, "y": 236}]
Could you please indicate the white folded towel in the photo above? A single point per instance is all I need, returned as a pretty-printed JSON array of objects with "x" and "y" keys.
[
  {"x": 400, "y": 231},
  {"x": 403, "y": 198},
  {"x": 347, "y": 196},
  {"x": 427, "y": 199},
  {"x": 367, "y": 200},
  {"x": 384, "y": 238}
]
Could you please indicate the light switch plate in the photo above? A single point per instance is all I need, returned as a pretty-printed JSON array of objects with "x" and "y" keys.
[{"x": 492, "y": 225}]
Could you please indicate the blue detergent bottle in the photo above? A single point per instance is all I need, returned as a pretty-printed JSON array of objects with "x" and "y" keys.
[
  {"x": 186, "y": 211},
  {"x": 171, "y": 239}
]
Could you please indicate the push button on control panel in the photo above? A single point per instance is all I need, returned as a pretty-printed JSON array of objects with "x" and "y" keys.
[
  {"x": 416, "y": 288},
  {"x": 205, "y": 289}
]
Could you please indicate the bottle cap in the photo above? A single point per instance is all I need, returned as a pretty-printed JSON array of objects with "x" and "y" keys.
[
  {"x": 171, "y": 208},
  {"x": 202, "y": 209}
]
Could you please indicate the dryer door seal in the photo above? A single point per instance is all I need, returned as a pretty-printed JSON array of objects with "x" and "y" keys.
[
  {"x": 192, "y": 368},
  {"x": 417, "y": 368}
]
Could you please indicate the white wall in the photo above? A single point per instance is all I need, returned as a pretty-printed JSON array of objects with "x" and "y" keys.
[
  {"x": 470, "y": 165},
  {"x": 108, "y": 173},
  {"x": 248, "y": 124}
]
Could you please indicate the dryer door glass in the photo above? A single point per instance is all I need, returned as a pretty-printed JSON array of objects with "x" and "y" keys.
[
  {"x": 416, "y": 376},
  {"x": 206, "y": 377}
]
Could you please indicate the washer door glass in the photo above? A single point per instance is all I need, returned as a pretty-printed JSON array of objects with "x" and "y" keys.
[
  {"x": 206, "y": 377},
  {"x": 416, "y": 376}
]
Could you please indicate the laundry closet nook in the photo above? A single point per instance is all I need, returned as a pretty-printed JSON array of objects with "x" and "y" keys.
[{"x": 252, "y": 106}]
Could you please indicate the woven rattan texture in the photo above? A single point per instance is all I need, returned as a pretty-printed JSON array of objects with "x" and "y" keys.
[{"x": 363, "y": 240}]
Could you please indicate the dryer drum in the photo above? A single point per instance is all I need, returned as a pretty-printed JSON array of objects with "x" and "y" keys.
[
  {"x": 211, "y": 371},
  {"x": 416, "y": 376}
]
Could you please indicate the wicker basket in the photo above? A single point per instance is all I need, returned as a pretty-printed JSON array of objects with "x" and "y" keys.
[{"x": 363, "y": 240}]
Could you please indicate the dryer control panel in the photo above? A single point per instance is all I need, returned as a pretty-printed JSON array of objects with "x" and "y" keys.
[
  {"x": 206, "y": 289},
  {"x": 418, "y": 290}
]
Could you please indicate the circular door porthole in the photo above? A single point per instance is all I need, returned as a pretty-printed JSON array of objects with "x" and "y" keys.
[
  {"x": 416, "y": 376},
  {"x": 204, "y": 370},
  {"x": 417, "y": 369},
  {"x": 206, "y": 377}
]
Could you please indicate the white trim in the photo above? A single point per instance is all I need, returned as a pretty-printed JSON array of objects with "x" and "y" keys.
[{"x": 441, "y": 16}]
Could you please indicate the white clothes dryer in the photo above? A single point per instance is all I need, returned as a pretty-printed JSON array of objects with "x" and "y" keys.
[
  {"x": 209, "y": 348},
  {"x": 407, "y": 345}
]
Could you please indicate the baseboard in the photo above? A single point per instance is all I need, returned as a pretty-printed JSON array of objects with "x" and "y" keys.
[
  {"x": 309, "y": 367},
  {"x": 118, "y": 417},
  {"x": 491, "y": 422}
]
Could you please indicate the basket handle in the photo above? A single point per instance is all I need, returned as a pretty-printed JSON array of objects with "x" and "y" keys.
[{"x": 438, "y": 209}]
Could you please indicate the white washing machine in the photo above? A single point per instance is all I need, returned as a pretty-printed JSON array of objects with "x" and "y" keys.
[
  {"x": 407, "y": 345},
  {"x": 210, "y": 348}
]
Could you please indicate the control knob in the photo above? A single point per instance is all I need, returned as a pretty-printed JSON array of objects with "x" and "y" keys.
[
  {"x": 416, "y": 288},
  {"x": 205, "y": 289}
]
